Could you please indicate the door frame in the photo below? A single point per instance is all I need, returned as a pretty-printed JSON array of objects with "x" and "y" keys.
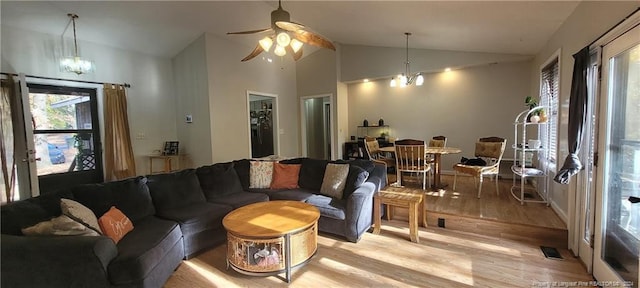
[
  {"x": 623, "y": 32},
  {"x": 276, "y": 123},
  {"x": 303, "y": 123}
]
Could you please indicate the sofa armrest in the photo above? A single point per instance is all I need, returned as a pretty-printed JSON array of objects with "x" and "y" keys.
[
  {"x": 360, "y": 209},
  {"x": 56, "y": 261}
]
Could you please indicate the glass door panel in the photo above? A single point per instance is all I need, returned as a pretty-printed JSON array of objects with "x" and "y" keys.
[{"x": 618, "y": 247}]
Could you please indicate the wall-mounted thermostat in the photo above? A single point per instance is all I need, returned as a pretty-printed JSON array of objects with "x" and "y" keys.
[{"x": 188, "y": 118}]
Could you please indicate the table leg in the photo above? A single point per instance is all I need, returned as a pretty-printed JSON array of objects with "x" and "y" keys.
[
  {"x": 436, "y": 176},
  {"x": 167, "y": 164},
  {"x": 422, "y": 215},
  {"x": 413, "y": 222},
  {"x": 376, "y": 215},
  {"x": 287, "y": 258}
]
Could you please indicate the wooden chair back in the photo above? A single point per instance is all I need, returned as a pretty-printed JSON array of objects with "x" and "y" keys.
[{"x": 411, "y": 156}]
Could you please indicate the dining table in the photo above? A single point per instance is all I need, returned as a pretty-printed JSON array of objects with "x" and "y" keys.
[{"x": 437, "y": 153}]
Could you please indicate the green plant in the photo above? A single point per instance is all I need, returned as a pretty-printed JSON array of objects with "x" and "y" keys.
[{"x": 532, "y": 103}]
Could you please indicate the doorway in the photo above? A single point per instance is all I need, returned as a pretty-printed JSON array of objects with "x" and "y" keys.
[
  {"x": 263, "y": 124},
  {"x": 617, "y": 229},
  {"x": 317, "y": 126},
  {"x": 57, "y": 135}
]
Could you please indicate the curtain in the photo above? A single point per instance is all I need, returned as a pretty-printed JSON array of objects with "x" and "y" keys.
[
  {"x": 119, "y": 160},
  {"x": 577, "y": 116},
  {"x": 7, "y": 159}
]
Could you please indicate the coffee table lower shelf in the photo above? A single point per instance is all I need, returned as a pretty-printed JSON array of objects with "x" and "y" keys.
[{"x": 271, "y": 256}]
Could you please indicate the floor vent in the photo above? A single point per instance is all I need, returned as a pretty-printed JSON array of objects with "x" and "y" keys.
[{"x": 551, "y": 252}]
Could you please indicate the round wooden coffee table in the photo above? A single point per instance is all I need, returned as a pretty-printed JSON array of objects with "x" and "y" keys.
[{"x": 272, "y": 237}]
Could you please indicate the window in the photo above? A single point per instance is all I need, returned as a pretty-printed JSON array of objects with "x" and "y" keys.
[{"x": 549, "y": 87}]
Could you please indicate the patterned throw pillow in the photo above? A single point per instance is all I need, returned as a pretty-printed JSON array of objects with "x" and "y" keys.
[
  {"x": 61, "y": 225},
  {"x": 334, "y": 181},
  {"x": 260, "y": 174},
  {"x": 285, "y": 176},
  {"x": 115, "y": 224},
  {"x": 80, "y": 213}
]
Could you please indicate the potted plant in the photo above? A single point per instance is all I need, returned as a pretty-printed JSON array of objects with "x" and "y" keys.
[{"x": 534, "y": 116}]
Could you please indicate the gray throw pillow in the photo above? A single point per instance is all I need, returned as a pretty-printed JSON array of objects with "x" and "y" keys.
[
  {"x": 334, "y": 181},
  {"x": 80, "y": 213}
]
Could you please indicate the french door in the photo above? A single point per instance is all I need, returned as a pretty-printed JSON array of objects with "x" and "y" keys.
[
  {"x": 59, "y": 138},
  {"x": 617, "y": 227}
]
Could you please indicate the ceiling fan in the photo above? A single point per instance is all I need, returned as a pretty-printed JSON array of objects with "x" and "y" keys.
[{"x": 281, "y": 27}]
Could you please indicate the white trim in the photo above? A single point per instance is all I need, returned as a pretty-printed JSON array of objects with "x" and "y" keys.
[
  {"x": 276, "y": 124},
  {"x": 303, "y": 122},
  {"x": 563, "y": 216}
]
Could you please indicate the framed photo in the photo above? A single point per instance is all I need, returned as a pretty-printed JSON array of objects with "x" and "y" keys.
[{"x": 171, "y": 148}]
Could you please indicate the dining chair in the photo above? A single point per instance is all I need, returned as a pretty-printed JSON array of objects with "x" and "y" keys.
[
  {"x": 436, "y": 141},
  {"x": 411, "y": 157},
  {"x": 491, "y": 149},
  {"x": 372, "y": 148}
]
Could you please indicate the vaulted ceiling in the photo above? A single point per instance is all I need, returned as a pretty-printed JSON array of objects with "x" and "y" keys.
[{"x": 164, "y": 28}]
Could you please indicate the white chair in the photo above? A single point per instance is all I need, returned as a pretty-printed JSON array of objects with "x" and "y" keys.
[{"x": 491, "y": 149}]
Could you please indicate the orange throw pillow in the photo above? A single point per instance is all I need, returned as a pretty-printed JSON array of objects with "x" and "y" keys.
[
  {"x": 285, "y": 176},
  {"x": 115, "y": 224}
]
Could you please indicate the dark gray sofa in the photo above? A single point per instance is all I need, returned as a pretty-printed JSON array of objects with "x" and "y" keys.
[{"x": 175, "y": 216}]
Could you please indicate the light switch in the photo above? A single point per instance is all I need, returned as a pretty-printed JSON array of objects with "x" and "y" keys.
[{"x": 281, "y": 131}]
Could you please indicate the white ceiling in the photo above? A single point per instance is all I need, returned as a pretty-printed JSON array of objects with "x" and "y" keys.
[{"x": 164, "y": 28}]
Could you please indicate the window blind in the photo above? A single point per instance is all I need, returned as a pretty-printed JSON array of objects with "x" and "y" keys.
[{"x": 550, "y": 86}]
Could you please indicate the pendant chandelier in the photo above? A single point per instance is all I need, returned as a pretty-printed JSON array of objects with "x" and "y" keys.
[
  {"x": 76, "y": 64},
  {"x": 407, "y": 78}
]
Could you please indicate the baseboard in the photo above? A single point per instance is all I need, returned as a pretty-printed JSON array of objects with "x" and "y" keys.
[{"x": 560, "y": 213}]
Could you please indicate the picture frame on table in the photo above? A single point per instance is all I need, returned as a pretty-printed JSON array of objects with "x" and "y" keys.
[{"x": 171, "y": 148}]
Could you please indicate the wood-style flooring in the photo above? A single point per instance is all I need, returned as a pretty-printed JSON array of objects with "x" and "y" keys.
[
  {"x": 489, "y": 242},
  {"x": 443, "y": 258}
]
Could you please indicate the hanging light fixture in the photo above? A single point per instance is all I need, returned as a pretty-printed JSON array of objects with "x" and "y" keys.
[
  {"x": 76, "y": 64},
  {"x": 407, "y": 78}
]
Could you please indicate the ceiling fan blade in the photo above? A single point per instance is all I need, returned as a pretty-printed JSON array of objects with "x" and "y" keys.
[
  {"x": 295, "y": 55},
  {"x": 289, "y": 26},
  {"x": 314, "y": 39},
  {"x": 250, "y": 31},
  {"x": 253, "y": 53}
]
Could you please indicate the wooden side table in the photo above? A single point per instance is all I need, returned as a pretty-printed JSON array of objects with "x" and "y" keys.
[
  {"x": 168, "y": 161},
  {"x": 400, "y": 197}
]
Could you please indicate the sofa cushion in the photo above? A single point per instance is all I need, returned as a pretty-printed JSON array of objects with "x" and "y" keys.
[
  {"x": 197, "y": 217},
  {"x": 142, "y": 249},
  {"x": 175, "y": 190},
  {"x": 328, "y": 206},
  {"x": 242, "y": 169},
  {"x": 237, "y": 200},
  {"x": 355, "y": 178},
  {"x": 218, "y": 180},
  {"x": 260, "y": 174},
  {"x": 80, "y": 213},
  {"x": 131, "y": 196},
  {"x": 299, "y": 194},
  {"x": 115, "y": 224},
  {"x": 285, "y": 176},
  {"x": 61, "y": 225},
  {"x": 334, "y": 181},
  {"x": 312, "y": 173},
  {"x": 21, "y": 214}
]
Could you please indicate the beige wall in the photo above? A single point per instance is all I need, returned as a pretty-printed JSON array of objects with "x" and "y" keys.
[
  {"x": 151, "y": 98},
  {"x": 588, "y": 21},
  {"x": 192, "y": 98},
  {"x": 229, "y": 80},
  {"x": 463, "y": 105},
  {"x": 316, "y": 74}
]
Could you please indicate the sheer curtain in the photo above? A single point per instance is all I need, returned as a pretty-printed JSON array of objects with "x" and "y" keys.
[
  {"x": 7, "y": 159},
  {"x": 119, "y": 160}
]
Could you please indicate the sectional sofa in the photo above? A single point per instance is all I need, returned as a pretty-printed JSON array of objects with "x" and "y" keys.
[{"x": 175, "y": 216}]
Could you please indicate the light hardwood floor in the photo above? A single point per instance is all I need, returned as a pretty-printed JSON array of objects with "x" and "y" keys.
[
  {"x": 443, "y": 258},
  {"x": 487, "y": 242}
]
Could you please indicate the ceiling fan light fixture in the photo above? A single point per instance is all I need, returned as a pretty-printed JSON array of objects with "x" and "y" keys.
[
  {"x": 296, "y": 45},
  {"x": 283, "y": 39},
  {"x": 266, "y": 43},
  {"x": 279, "y": 51}
]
